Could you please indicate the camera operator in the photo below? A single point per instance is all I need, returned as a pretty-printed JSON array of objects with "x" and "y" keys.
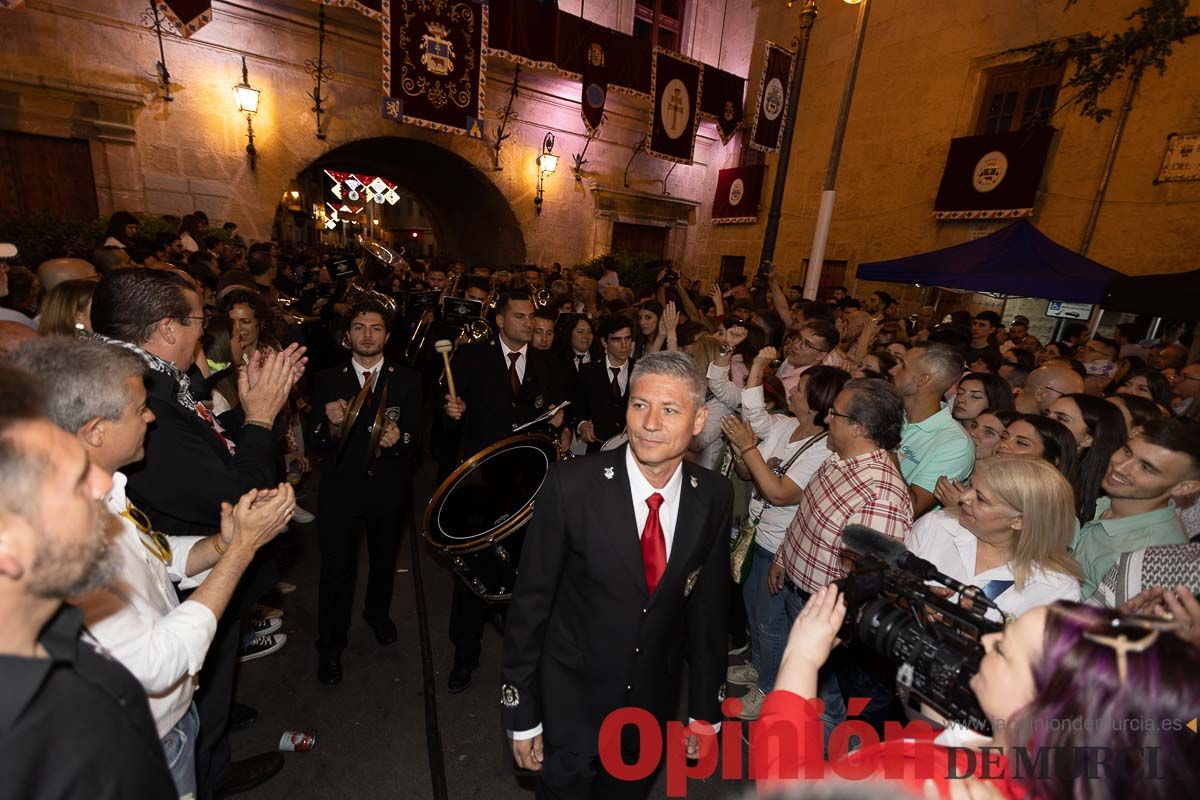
[
  {"x": 1009, "y": 536},
  {"x": 1059, "y": 663}
]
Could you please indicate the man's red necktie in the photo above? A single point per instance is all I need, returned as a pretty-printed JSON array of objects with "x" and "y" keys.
[
  {"x": 367, "y": 382},
  {"x": 654, "y": 544},
  {"x": 514, "y": 379}
]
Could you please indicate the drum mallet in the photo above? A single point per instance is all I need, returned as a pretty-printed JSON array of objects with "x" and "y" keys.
[{"x": 446, "y": 347}]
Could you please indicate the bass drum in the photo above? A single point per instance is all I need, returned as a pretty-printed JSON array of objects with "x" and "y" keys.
[{"x": 477, "y": 517}]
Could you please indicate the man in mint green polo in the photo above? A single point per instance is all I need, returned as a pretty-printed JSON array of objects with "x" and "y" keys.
[
  {"x": 1161, "y": 461},
  {"x": 932, "y": 443}
]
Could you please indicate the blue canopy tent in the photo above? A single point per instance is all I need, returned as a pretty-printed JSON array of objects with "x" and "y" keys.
[{"x": 1015, "y": 260}]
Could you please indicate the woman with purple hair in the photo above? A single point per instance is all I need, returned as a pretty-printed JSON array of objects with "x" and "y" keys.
[{"x": 1061, "y": 683}]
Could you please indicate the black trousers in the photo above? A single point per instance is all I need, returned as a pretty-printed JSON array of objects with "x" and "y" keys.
[
  {"x": 337, "y": 537},
  {"x": 570, "y": 776}
]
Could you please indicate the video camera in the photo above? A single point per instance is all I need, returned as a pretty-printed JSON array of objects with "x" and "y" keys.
[{"x": 892, "y": 609}]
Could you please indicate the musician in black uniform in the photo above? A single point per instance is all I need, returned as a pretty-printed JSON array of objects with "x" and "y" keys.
[
  {"x": 500, "y": 384},
  {"x": 361, "y": 484},
  {"x": 602, "y": 388}
]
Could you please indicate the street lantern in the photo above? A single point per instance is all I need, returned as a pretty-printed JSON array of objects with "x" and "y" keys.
[
  {"x": 247, "y": 102},
  {"x": 546, "y": 163}
]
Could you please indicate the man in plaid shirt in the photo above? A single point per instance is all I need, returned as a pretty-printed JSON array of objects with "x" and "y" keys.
[{"x": 858, "y": 485}]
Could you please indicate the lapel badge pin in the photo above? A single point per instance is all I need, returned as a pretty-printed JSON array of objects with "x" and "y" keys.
[
  {"x": 608, "y": 473},
  {"x": 690, "y": 584},
  {"x": 509, "y": 698},
  {"x": 695, "y": 483},
  {"x": 539, "y": 401}
]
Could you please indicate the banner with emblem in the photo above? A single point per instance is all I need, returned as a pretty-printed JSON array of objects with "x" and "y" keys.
[
  {"x": 722, "y": 101},
  {"x": 433, "y": 63},
  {"x": 994, "y": 176},
  {"x": 773, "y": 87},
  {"x": 739, "y": 191},
  {"x": 676, "y": 82},
  {"x": 595, "y": 78},
  {"x": 188, "y": 16}
]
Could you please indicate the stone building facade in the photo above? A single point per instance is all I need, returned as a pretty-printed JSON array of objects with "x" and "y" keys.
[{"x": 86, "y": 71}]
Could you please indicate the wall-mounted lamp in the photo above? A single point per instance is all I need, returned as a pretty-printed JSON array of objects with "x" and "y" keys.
[
  {"x": 247, "y": 100},
  {"x": 546, "y": 162}
]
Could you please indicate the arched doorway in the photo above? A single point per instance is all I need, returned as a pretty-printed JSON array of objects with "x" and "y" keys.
[{"x": 471, "y": 219}]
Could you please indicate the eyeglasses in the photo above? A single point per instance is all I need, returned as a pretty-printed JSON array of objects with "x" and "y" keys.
[
  {"x": 804, "y": 344},
  {"x": 203, "y": 321},
  {"x": 833, "y": 412},
  {"x": 157, "y": 543}
]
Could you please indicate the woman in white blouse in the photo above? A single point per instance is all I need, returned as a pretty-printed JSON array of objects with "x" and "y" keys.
[{"x": 1010, "y": 537}]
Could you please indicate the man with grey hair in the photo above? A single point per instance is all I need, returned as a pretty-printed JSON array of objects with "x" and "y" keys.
[
  {"x": 643, "y": 535},
  {"x": 932, "y": 444},
  {"x": 73, "y": 722},
  {"x": 97, "y": 393}
]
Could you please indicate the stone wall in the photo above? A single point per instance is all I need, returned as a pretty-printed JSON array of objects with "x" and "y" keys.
[
  {"x": 920, "y": 84},
  {"x": 87, "y": 71}
]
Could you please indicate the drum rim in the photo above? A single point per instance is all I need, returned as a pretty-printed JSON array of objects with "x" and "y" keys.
[{"x": 514, "y": 523}]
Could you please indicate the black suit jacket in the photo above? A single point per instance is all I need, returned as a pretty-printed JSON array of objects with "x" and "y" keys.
[
  {"x": 583, "y": 637},
  {"x": 187, "y": 470},
  {"x": 481, "y": 379},
  {"x": 594, "y": 400},
  {"x": 353, "y": 473}
]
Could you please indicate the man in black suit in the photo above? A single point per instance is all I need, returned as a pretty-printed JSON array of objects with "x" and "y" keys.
[
  {"x": 625, "y": 568},
  {"x": 602, "y": 388},
  {"x": 363, "y": 483},
  {"x": 501, "y": 384}
]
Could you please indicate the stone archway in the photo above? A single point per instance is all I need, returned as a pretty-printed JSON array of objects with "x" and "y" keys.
[{"x": 472, "y": 220}]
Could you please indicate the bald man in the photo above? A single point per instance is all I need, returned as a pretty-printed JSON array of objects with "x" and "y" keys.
[
  {"x": 59, "y": 270},
  {"x": 12, "y": 334},
  {"x": 1045, "y": 385}
]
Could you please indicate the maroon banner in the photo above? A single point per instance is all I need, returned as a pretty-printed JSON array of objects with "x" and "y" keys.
[
  {"x": 723, "y": 101},
  {"x": 676, "y": 82},
  {"x": 773, "y": 87},
  {"x": 595, "y": 78},
  {"x": 993, "y": 176},
  {"x": 739, "y": 191},
  {"x": 369, "y": 8},
  {"x": 188, "y": 16},
  {"x": 433, "y": 63}
]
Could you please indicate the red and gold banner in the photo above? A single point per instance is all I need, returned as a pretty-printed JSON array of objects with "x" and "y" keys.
[
  {"x": 993, "y": 176},
  {"x": 739, "y": 191},
  {"x": 188, "y": 16},
  {"x": 433, "y": 64},
  {"x": 723, "y": 101},
  {"x": 771, "y": 115},
  {"x": 676, "y": 83}
]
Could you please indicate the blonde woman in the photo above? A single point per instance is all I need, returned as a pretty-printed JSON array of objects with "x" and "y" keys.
[
  {"x": 1010, "y": 537},
  {"x": 706, "y": 446}
]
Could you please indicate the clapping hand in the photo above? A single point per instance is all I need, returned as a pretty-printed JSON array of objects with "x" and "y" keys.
[{"x": 739, "y": 433}]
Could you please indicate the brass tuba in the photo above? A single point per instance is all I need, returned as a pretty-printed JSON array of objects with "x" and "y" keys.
[{"x": 378, "y": 262}]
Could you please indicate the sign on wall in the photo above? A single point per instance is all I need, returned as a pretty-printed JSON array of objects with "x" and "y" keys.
[{"x": 1182, "y": 159}]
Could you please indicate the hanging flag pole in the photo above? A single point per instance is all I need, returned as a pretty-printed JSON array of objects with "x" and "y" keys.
[{"x": 808, "y": 16}]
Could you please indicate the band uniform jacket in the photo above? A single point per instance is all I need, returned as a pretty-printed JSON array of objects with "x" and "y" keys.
[
  {"x": 481, "y": 379},
  {"x": 594, "y": 401},
  {"x": 351, "y": 471},
  {"x": 584, "y": 637}
]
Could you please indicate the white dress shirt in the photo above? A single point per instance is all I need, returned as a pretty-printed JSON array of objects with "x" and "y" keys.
[
  {"x": 138, "y": 619},
  {"x": 622, "y": 375},
  {"x": 939, "y": 538},
  {"x": 360, "y": 370},
  {"x": 580, "y": 358},
  {"x": 505, "y": 349}
]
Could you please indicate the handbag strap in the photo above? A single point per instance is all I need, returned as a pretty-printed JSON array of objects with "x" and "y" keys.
[{"x": 804, "y": 447}]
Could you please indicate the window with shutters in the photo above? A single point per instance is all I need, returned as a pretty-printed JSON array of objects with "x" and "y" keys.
[
  {"x": 659, "y": 22},
  {"x": 1018, "y": 97}
]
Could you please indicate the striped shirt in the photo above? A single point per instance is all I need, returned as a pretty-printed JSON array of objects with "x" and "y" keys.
[{"x": 865, "y": 490}]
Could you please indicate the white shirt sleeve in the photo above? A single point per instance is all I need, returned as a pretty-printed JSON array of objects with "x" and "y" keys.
[
  {"x": 754, "y": 411},
  {"x": 520, "y": 736},
  {"x": 181, "y": 548},
  {"x": 723, "y": 388}
]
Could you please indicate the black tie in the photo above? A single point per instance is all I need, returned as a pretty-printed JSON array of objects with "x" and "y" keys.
[{"x": 616, "y": 384}]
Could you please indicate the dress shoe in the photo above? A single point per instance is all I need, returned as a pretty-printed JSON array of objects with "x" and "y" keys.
[
  {"x": 460, "y": 677},
  {"x": 242, "y": 716},
  {"x": 249, "y": 773},
  {"x": 329, "y": 669},
  {"x": 385, "y": 631}
]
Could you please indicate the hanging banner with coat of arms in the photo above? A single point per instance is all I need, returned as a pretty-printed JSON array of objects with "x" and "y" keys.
[
  {"x": 595, "y": 78},
  {"x": 993, "y": 176},
  {"x": 675, "y": 86},
  {"x": 433, "y": 63},
  {"x": 723, "y": 101},
  {"x": 739, "y": 191},
  {"x": 188, "y": 16},
  {"x": 773, "y": 87}
]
